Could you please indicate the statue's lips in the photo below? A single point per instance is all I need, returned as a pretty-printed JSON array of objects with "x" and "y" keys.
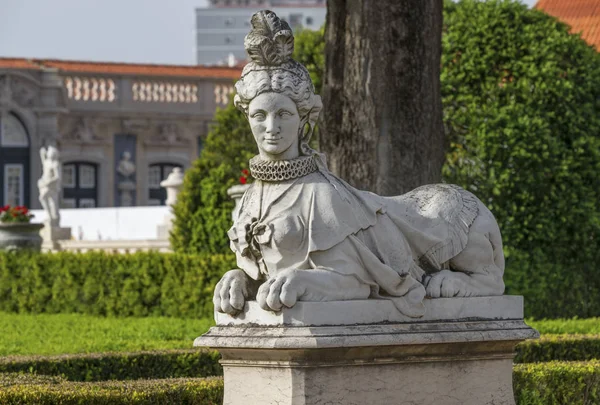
[{"x": 273, "y": 141}]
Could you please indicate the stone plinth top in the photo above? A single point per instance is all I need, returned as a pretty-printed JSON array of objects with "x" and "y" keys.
[
  {"x": 374, "y": 323},
  {"x": 376, "y": 311}
]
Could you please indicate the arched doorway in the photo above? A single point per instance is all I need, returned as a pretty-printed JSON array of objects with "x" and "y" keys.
[
  {"x": 14, "y": 161},
  {"x": 158, "y": 172}
]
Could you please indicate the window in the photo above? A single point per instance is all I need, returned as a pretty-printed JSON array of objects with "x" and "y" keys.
[
  {"x": 87, "y": 203},
  {"x": 154, "y": 177},
  {"x": 68, "y": 176},
  {"x": 13, "y": 184},
  {"x": 68, "y": 203},
  {"x": 79, "y": 185},
  {"x": 295, "y": 20},
  {"x": 13, "y": 133},
  {"x": 87, "y": 176},
  {"x": 14, "y": 161},
  {"x": 158, "y": 172},
  {"x": 309, "y": 21}
]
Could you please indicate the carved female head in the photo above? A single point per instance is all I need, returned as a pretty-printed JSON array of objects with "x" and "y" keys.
[{"x": 275, "y": 92}]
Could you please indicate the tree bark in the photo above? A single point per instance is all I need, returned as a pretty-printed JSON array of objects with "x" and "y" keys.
[{"x": 382, "y": 128}]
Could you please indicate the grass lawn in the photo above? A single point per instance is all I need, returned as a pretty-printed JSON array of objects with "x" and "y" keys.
[
  {"x": 589, "y": 326},
  {"x": 49, "y": 334},
  {"x": 46, "y": 334}
]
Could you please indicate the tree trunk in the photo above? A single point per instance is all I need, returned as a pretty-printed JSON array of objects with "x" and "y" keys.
[{"x": 382, "y": 128}]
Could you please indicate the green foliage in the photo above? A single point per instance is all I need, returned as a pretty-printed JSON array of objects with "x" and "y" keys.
[
  {"x": 52, "y": 334},
  {"x": 25, "y": 389},
  {"x": 203, "y": 208},
  {"x": 554, "y": 383},
  {"x": 521, "y": 101},
  {"x": 96, "y": 283},
  {"x": 522, "y": 111},
  {"x": 559, "y": 347},
  {"x": 309, "y": 50},
  {"x": 590, "y": 326},
  {"x": 119, "y": 366},
  {"x": 557, "y": 383}
]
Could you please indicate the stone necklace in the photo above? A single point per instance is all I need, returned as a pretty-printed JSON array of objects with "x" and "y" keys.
[{"x": 280, "y": 170}]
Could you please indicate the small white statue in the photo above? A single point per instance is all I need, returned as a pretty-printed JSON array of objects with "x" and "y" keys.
[
  {"x": 173, "y": 184},
  {"x": 49, "y": 184},
  {"x": 126, "y": 167},
  {"x": 303, "y": 234}
]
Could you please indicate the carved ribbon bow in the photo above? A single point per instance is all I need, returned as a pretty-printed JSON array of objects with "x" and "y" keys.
[{"x": 256, "y": 234}]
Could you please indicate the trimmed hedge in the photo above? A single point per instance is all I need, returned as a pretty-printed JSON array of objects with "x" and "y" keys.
[
  {"x": 557, "y": 383},
  {"x": 119, "y": 366},
  {"x": 97, "y": 283},
  {"x": 560, "y": 348},
  {"x": 20, "y": 389},
  {"x": 196, "y": 363}
]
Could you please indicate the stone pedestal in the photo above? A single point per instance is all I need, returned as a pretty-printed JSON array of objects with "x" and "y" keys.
[
  {"x": 52, "y": 235},
  {"x": 172, "y": 184},
  {"x": 365, "y": 352}
]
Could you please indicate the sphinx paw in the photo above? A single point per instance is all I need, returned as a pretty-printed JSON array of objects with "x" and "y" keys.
[
  {"x": 280, "y": 291},
  {"x": 446, "y": 284}
]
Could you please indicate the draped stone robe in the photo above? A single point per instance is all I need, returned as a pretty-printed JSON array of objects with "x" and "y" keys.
[{"x": 320, "y": 222}]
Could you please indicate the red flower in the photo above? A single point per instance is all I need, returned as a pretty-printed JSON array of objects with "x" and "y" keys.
[
  {"x": 245, "y": 172},
  {"x": 243, "y": 180}
]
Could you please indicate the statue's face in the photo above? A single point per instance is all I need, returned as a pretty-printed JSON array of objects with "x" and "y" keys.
[{"x": 275, "y": 121}]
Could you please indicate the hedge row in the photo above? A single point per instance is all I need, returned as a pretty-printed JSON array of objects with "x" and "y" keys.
[
  {"x": 196, "y": 363},
  {"x": 119, "y": 366},
  {"x": 559, "y": 348},
  {"x": 557, "y": 383},
  {"x": 21, "y": 389},
  {"x": 96, "y": 283},
  {"x": 554, "y": 383}
]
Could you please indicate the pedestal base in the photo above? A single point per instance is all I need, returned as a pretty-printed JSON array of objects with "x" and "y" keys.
[
  {"x": 53, "y": 235},
  {"x": 459, "y": 362}
]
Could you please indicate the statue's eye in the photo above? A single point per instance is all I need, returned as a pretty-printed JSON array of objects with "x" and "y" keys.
[
  {"x": 258, "y": 116},
  {"x": 284, "y": 113}
]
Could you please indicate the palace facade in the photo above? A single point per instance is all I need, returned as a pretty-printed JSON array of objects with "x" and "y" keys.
[{"x": 120, "y": 128}]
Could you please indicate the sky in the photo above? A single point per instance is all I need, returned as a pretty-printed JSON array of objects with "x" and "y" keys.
[{"x": 134, "y": 31}]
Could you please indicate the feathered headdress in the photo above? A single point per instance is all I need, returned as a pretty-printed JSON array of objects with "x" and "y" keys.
[{"x": 271, "y": 41}]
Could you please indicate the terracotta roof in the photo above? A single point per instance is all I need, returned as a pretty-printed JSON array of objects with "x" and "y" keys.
[
  {"x": 582, "y": 15},
  {"x": 124, "y": 68},
  {"x": 17, "y": 63}
]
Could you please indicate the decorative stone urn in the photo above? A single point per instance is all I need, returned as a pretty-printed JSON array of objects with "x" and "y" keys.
[
  {"x": 17, "y": 236},
  {"x": 172, "y": 184}
]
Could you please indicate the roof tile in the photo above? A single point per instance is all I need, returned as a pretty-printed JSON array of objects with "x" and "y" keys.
[
  {"x": 124, "y": 68},
  {"x": 582, "y": 15}
]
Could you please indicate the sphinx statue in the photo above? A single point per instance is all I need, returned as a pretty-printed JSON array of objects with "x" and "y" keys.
[{"x": 303, "y": 234}]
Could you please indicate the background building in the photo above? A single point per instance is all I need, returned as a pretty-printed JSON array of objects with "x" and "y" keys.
[
  {"x": 113, "y": 124},
  {"x": 221, "y": 28}
]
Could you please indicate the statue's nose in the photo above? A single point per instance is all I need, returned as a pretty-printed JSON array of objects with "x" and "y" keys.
[{"x": 272, "y": 126}]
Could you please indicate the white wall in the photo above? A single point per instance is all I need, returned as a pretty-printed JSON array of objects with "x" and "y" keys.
[{"x": 130, "y": 223}]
